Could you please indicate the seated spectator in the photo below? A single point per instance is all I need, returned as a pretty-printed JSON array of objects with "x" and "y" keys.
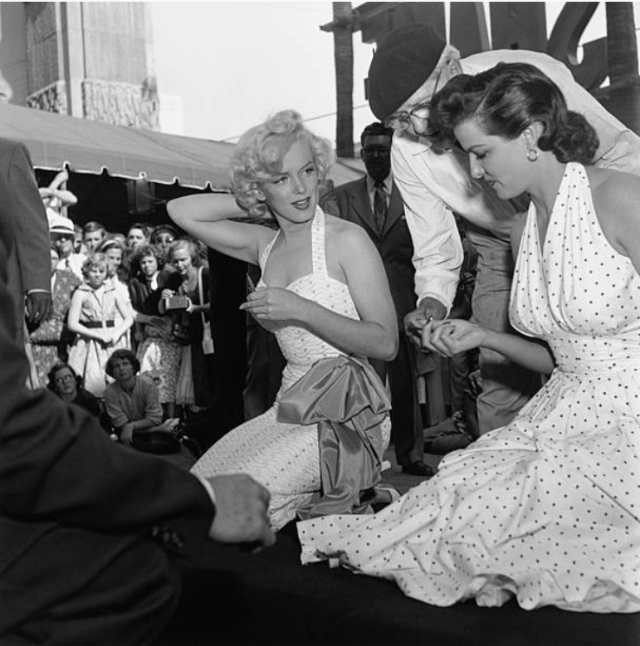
[
  {"x": 92, "y": 316},
  {"x": 49, "y": 340},
  {"x": 63, "y": 239},
  {"x": 159, "y": 355},
  {"x": 93, "y": 233},
  {"x": 64, "y": 382},
  {"x": 132, "y": 402}
]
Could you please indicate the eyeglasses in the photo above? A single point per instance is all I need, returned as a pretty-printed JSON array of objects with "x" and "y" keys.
[
  {"x": 61, "y": 380},
  {"x": 403, "y": 120}
]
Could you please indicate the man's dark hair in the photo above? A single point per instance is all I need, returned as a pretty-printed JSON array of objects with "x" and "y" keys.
[
  {"x": 375, "y": 129},
  {"x": 125, "y": 354}
]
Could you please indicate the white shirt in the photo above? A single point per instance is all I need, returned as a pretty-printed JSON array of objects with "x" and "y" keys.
[
  {"x": 433, "y": 185},
  {"x": 74, "y": 262}
]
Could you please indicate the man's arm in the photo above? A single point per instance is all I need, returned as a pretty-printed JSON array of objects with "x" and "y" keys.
[
  {"x": 31, "y": 233},
  {"x": 438, "y": 252}
]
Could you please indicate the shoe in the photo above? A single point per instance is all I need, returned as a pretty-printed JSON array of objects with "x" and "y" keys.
[{"x": 418, "y": 468}]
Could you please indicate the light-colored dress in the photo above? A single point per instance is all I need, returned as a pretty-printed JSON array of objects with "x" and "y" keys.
[
  {"x": 284, "y": 457},
  {"x": 87, "y": 356},
  {"x": 548, "y": 507}
]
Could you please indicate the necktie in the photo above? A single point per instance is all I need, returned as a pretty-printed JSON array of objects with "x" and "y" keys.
[{"x": 380, "y": 206}]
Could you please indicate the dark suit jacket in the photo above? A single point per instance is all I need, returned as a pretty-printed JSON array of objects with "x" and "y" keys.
[
  {"x": 394, "y": 245},
  {"x": 22, "y": 214},
  {"x": 58, "y": 469}
]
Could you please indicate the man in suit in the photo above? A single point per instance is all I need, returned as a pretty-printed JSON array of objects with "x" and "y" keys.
[
  {"x": 23, "y": 216},
  {"x": 374, "y": 203},
  {"x": 89, "y": 528}
]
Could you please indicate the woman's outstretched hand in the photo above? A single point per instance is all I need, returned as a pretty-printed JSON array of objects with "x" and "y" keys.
[
  {"x": 452, "y": 337},
  {"x": 274, "y": 304}
]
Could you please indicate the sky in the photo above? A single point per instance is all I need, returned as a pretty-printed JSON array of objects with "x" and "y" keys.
[
  {"x": 235, "y": 63},
  {"x": 223, "y": 67}
]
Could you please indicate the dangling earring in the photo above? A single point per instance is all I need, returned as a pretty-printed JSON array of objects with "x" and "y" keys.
[{"x": 532, "y": 154}]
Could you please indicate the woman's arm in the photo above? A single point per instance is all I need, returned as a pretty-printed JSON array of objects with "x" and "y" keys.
[
  {"x": 452, "y": 337},
  {"x": 126, "y": 312},
  {"x": 206, "y": 217},
  {"x": 375, "y": 335}
]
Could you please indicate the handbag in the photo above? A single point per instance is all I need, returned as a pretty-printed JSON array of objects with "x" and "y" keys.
[{"x": 207, "y": 339}]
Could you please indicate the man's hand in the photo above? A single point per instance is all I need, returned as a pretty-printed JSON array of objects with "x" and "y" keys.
[
  {"x": 241, "y": 511},
  {"x": 429, "y": 310},
  {"x": 126, "y": 434},
  {"x": 39, "y": 307}
]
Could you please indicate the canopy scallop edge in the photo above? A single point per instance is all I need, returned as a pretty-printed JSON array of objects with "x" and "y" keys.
[{"x": 84, "y": 146}]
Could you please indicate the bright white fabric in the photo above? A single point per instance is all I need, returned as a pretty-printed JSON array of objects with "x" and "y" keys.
[
  {"x": 284, "y": 457},
  {"x": 435, "y": 185},
  {"x": 546, "y": 508}
]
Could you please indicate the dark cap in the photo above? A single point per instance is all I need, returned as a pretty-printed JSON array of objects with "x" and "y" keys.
[{"x": 403, "y": 61}]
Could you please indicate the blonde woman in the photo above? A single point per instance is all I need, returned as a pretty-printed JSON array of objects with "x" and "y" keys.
[{"x": 325, "y": 295}]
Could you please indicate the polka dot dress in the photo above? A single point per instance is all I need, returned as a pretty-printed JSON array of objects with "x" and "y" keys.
[
  {"x": 284, "y": 457},
  {"x": 546, "y": 509}
]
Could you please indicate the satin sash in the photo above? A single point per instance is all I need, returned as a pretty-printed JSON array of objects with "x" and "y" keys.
[{"x": 346, "y": 399}]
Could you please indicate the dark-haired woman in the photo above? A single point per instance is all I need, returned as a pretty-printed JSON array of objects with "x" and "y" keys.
[{"x": 545, "y": 509}]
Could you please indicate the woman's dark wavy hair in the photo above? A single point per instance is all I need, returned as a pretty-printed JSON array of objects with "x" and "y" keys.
[
  {"x": 142, "y": 252},
  {"x": 507, "y": 99}
]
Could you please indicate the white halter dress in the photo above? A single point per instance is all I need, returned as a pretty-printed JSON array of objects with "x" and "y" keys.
[
  {"x": 284, "y": 457},
  {"x": 546, "y": 509}
]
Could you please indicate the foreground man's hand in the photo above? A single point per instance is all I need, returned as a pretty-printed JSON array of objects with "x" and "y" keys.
[{"x": 241, "y": 511}]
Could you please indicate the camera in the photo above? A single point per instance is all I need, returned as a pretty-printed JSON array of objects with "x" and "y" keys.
[{"x": 178, "y": 302}]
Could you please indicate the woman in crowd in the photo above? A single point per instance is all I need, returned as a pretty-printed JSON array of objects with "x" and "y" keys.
[
  {"x": 158, "y": 354},
  {"x": 545, "y": 509},
  {"x": 190, "y": 279},
  {"x": 49, "y": 341},
  {"x": 64, "y": 382},
  {"x": 92, "y": 316},
  {"x": 325, "y": 294}
]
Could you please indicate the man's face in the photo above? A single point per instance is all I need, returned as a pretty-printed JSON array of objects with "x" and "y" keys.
[
  {"x": 63, "y": 242},
  {"x": 123, "y": 371},
  {"x": 92, "y": 239},
  {"x": 376, "y": 154}
]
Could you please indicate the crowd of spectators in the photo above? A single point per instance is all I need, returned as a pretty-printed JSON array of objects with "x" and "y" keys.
[{"x": 145, "y": 291}]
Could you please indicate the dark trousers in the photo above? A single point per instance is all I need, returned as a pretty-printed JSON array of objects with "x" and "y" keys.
[
  {"x": 406, "y": 421},
  {"x": 71, "y": 586}
]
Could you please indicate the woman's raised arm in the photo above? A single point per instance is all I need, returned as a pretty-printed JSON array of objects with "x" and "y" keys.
[{"x": 208, "y": 218}]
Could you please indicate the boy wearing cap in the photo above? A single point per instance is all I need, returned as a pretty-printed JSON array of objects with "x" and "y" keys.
[{"x": 408, "y": 67}]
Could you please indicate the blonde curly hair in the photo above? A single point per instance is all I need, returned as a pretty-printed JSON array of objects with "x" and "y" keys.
[{"x": 259, "y": 153}]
